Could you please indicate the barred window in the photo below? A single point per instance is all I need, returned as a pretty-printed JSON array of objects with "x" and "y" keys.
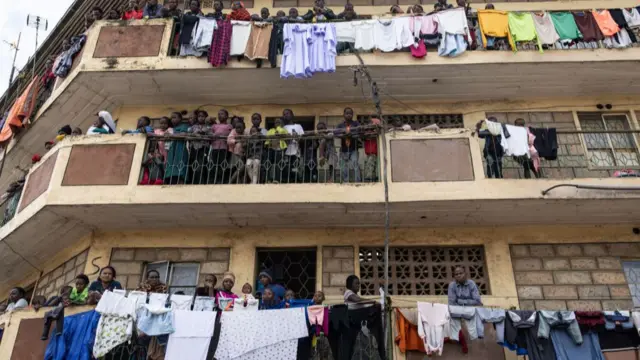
[
  {"x": 417, "y": 121},
  {"x": 294, "y": 269},
  {"x": 421, "y": 270},
  {"x": 609, "y": 149}
]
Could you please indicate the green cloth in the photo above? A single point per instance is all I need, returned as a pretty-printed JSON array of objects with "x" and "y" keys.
[
  {"x": 178, "y": 158},
  {"x": 522, "y": 28},
  {"x": 79, "y": 298},
  {"x": 565, "y": 25}
]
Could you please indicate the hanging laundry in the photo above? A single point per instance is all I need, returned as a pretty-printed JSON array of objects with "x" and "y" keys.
[
  {"x": 189, "y": 22},
  {"x": 559, "y": 319},
  {"x": 77, "y": 338},
  {"x": 318, "y": 315},
  {"x": 118, "y": 314},
  {"x": 493, "y": 24},
  {"x": 566, "y": 349},
  {"x": 605, "y": 22},
  {"x": 366, "y": 345},
  {"x": 221, "y": 44},
  {"x": 620, "y": 19},
  {"x": 454, "y": 28},
  {"x": 239, "y": 37},
  {"x": 276, "y": 43},
  {"x": 619, "y": 331},
  {"x": 544, "y": 28},
  {"x": 588, "y": 26},
  {"x": 495, "y": 317},
  {"x": 246, "y": 305},
  {"x": 181, "y": 302},
  {"x": 154, "y": 321},
  {"x": 157, "y": 300},
  {"x": 546, "y": 142},
  {"x": 203, "y": 36},
  {"x": 517, "y": 144},
  {"x": 193, "y": 334},
  {"x": 632, "y": 17},
  {"x": 365, "y": 39},
  {"x": 618, "y": 41},
  {"x": 404, "y": 34},
  {"x": 433, "y": 324},
  {"x": 468, "y": 314},
  {"x": 140, "y": 297},
  {"x": 522, "y": 28},
  {"x": 520, "y": 330},
  {"x": 295, "y": 57},
  {"x": 345, "y": 325},
  {"x": 204, "y": 303},
  {"x": 406, "y": 331},
  {"x": 384, "y": 33},
  {"x": 423, "y": 25},
  {"x": 261, "y": 335},
  {"x": 64, "y": 62},
  {"x": 322, "y": 50},
  {"x": 346, "y": 31},
  {"x": 565, "y": 25},
  {"x": 258, "y": 42}
]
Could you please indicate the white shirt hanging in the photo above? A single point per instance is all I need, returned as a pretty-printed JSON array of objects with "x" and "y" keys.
[
  {"x": 364, "y": 35},
  {"x": 632, "y": 17},
  {"x": 239, "y": 37},
  {"x": 345, "y": 31},
  {"x": 193, "y": 332},
  {"x": 518, "y": 142},
  {"x": 384, "y": 33},
  {"x": 453, "y": 21},
  {"x": 404, "y": 35},
  {"x": 545, "y": 28}
]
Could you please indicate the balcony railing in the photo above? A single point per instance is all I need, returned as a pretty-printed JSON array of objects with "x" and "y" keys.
[
  {"x": 581, "y": 154},
  {"x": 262, "y": 159}
]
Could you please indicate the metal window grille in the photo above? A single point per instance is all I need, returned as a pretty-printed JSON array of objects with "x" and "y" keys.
[
  {"x": 294, "y": 269},
  {"x": 632, "y": 274},
  {"x": 607, "y": 150},
  {"x": 421, "y": 270},
  {"x": 444, "y": 121}
]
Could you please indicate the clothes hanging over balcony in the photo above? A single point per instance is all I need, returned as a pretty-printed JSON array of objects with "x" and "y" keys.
[
  {"x": 239, "y": 37},
  {"x": 259, "y": 39},
  {"x": 493, "y": 24},
  {"x": 193, "y": 335},
  {"x": 522, "y": 28},
  {"x": 546, "y": 142},
  {"x": 221, "y": 44},
  {"x": 309, "y": 48},
  {"x": 565, "y": 25},
  {"x": 454, "y": 29},
  {"x": 588, "y": 26},
  {"x": 77, "y": 338},
  {"x": 544, "y": 27},
  {"x": 21, "y": 110}
]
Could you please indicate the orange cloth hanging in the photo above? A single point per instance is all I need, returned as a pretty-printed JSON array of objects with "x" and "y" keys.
[
  {"x": 408, "y": 338},
  {"x": 605, "y": 22},
  {"x": 21, "y": 109}
]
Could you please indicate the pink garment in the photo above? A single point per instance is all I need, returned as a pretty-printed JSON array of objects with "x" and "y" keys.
[
  {"x": 235, "y": 146},
  {"x": 319, "y": 315},
  {"x": 533, "y": 152},
  {"x": 222, "y": 130},
  {"x": 161, "y": 145},
  {"x": 426, "y": 25}
]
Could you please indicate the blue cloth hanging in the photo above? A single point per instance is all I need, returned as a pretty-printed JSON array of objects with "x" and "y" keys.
[{"x": 76, "y": 341}]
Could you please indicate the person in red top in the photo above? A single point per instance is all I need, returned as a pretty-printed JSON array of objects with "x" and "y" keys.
[
  {"x": 134, "y": 12},
  {"x": 239, "y": 12},
  {"x": 371, "y": 152}
]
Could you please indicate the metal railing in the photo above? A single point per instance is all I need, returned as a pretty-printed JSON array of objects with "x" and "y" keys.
[
  {"x": 262, "y": 159},
  {"x": 580, "y": 154}
]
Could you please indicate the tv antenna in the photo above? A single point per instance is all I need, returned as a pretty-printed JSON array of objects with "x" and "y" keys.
[
  {"x": 38, "y": 23},
  {"x": 15, "y": 47}
]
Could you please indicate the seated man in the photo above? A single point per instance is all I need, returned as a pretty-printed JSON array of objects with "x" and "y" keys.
[
  {"x": 462, "y": 291},
  {"x": 349, "y": 13}
]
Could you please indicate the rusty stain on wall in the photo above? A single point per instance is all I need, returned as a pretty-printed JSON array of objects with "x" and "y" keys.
[
  {"x": 129, "y": 41},
  {"x": 38, "y": 181}
]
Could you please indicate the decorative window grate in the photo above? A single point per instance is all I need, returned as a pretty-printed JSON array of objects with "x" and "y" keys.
[
  {"x": 421, "y": 270},
  {"x": 609, "y": 150},
  {"x": 444, "y": 121},
  {"x": 293, "y": 269}
]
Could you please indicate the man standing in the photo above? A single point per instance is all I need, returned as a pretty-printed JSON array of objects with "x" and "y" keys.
[
  {"x": 292, "y": 154},
  {"x": 349, "y": 156},
  {"x": 462, "y": 291}
]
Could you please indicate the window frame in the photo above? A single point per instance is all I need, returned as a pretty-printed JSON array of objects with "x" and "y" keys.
[
  {"x": 588, "y": 151},
  {"x": 170, "y": 271}
]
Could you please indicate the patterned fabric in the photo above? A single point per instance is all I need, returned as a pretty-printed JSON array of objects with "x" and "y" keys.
[
  {"x": 371, "y": 167},
  {"x": 112, "y": 331},
  {"x": 158, "y": 288},
  {"x": 204, "y": 303},
  {"x": 221, "y": 44},
  {"x": 322, "y": 350},
  {"x": 366, "y": 347}
]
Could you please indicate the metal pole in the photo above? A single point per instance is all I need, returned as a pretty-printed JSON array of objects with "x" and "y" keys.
[
  {"x": 385, "y": 181},
  {"x": 15, "y": 55},
  {"x": 35, "y": 53}
]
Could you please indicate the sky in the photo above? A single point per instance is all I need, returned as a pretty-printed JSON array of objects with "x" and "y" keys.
[{"x": 13, "y": 20}]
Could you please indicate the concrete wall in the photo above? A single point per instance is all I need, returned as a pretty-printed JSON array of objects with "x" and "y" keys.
[
  {"x": 65, "y": 274},
  {"x": 573, "y": 276}
]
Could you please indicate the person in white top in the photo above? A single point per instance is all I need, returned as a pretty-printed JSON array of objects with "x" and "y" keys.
[
  {"x": 293, "y": 150},
  {"x": 17, "y": 299}
]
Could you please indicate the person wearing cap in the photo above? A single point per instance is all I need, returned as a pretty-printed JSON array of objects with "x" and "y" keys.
[
  {"x": 228, "y": 280},
  {"x": 266, "y": 281}
]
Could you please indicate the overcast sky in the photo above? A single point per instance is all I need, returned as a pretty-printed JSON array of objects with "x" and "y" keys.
[{"x": 13, "y": 20}]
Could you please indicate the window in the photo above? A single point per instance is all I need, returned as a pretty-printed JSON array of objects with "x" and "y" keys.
[
  {"x": 178, "y": 276},
  {"x": 293, "y": 269},
  {"x": 632, "y": 274},
  {"x": 421, "y": 270},
  {"x": 609, "y": 149}
]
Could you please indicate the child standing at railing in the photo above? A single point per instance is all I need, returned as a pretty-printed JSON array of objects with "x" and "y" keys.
[
  {"x": 327, "y": 150},
  {"x": 255, "y": 148}
]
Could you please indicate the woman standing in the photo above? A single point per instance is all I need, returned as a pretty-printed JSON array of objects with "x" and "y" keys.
[
  {"x": 105, "y": 282},
  {"x": 177, "y": 157},
  {"x": 153, "y": 284}
]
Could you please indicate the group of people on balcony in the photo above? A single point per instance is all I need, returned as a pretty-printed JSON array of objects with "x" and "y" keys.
[{"x": 201, "y": 150}]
